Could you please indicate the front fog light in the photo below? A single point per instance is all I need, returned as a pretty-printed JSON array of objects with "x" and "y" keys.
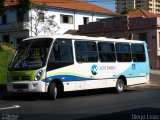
[{"x": 39, "y": 75}]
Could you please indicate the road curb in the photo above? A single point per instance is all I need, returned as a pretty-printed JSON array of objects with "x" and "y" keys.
[
  {"x": 144, "y": 86},
  {"x": 154, "y": 85}
]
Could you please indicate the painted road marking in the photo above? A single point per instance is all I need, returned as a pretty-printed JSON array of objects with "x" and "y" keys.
[{"x": 12, "y": 107}]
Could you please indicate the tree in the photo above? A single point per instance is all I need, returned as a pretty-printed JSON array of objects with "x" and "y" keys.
[
  {"x": 36, "y": 20},
  {"x": 23, "y": 6},
  {"x": 39, "y": 22},
  {"x": 126, "y": 11}
]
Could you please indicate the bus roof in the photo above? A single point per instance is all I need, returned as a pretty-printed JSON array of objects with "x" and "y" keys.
[{"x": 78, "y": 37}]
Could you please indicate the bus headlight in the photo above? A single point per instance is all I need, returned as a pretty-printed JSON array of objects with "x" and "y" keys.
[{"x": 39, "y": 75}]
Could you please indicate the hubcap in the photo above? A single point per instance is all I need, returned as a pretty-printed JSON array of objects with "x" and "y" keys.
[
  {"x": 120, "y": 87},
  {"x": 55, "y": 92}
]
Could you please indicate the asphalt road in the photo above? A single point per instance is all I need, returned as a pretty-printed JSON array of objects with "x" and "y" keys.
[{"x": 140, "y": 103}]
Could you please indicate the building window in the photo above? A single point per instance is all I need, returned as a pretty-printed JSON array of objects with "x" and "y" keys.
[
  {"x": 5, "y": 38},
  {"x": 85, "y": 20},
  {"x": 4, "y": 19},
  {"x": 143, "y": 37},
  {"x": 138, "y": 6},
  {"x": 66, "y": 19},
  {"x": 41, "y": 17}
]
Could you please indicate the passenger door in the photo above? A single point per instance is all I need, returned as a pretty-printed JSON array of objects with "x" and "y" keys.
[{"x": 61, "y": 63}]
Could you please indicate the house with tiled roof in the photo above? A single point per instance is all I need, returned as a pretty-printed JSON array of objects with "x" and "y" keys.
[
  {"x": 141, "y": 13},
  {"x": 139, "y": 25},
  {"x": 68, "y": 15},
  {"x": 148, "y": 29}
]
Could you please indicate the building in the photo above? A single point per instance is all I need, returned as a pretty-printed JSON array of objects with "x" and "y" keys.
[
  {"x": 148, "y": 5},
  {"x": 139, "y": 25},
  {"x": 68, "y": 14}
]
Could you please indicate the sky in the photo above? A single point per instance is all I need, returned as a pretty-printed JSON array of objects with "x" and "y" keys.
[{"x": 108, "y": 4}]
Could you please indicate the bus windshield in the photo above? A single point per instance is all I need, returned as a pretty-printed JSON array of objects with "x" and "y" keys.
[{"x": 31, "y": 54}]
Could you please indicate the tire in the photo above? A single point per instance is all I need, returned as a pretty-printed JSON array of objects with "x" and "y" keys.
[
  {"x": 52, "y": 91},
  {"x": 119, "y": 86}
]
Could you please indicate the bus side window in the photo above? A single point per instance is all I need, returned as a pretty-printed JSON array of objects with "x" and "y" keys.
[
  {"x": 138, "y": 53},
  {"x": 123, "y": 52},
  {"x": 106, "y": 52},
  {"x": 86, "y": 51},
  {"x": 61, "y": 54}
]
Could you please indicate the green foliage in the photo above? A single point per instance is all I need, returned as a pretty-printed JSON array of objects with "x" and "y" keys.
[
  {"x": 126, "y": 11},
  {"x": 6, "y": 54},
  {"x": 2, "y": 7},
  {"x": 24, "y": 6}
]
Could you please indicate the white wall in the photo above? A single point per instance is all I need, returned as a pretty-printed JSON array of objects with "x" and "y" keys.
[
  {"x": 158, "y": 42},
  {"x": 77, "y": 19}
]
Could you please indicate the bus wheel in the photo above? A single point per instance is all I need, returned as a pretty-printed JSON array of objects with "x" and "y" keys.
[
  {"x": 119, "y": 86},
  {"x": 52, "y": 91}
]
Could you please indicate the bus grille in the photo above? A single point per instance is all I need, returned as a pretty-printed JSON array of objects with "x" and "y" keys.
[
  {"x": 20, "y": 86},
  {"x": 20, "y": 78}
]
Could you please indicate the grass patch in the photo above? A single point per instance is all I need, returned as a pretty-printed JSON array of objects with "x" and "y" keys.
[{"x": 6, "y": 53}]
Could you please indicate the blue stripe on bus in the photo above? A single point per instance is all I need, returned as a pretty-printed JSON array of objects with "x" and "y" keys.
[{"x": 66, "y": 78}]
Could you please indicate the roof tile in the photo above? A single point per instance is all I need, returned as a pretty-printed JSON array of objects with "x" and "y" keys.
[
  {"x": 67, "y": 4},
  {"x": 141, "y": 13},
  {"x": 74, "y": 5}
]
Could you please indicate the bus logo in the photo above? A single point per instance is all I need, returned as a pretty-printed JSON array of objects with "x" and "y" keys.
[
  {"x": 133, "y": 66},
  {"x": 94, "y": 69}
]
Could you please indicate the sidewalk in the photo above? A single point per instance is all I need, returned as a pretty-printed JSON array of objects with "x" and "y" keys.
[
  {"x": 155, "y": 77},
  {"x": 153, "y": 71}
]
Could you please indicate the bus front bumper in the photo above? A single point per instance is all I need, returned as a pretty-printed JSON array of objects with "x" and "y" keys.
[{"x": 35, "y": 86}]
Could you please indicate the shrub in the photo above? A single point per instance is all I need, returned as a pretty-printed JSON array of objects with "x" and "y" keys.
[{"x": 6, "y": 54}]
